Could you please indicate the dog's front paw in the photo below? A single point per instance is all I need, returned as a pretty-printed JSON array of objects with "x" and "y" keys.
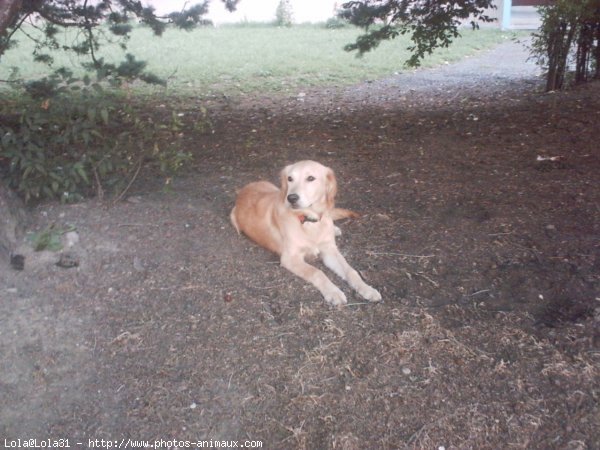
[
  {"x": 335, "y": 297},
  {"x": 369, "y": 293}
]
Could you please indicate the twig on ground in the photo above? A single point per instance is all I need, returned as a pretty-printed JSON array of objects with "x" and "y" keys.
[
  {"x": 138, "y": 225},
  {"x": 122, "y": 194},
  {"x": 403, "y": 255},
  {"x": 422, "y": 275},
  {"x": 483, "y": 291}
]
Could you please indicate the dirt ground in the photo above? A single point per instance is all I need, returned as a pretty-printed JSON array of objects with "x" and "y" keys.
[{"x": 486, "y": 253}]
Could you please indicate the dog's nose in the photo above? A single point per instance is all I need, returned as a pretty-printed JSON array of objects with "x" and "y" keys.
[{"x": 293, "y": 198}]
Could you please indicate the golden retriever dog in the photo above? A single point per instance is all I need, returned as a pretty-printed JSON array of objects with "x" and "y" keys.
[{"x": 296, "y": 222}]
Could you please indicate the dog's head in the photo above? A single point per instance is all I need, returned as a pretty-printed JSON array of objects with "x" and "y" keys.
[{"x": 308, "y": 185}]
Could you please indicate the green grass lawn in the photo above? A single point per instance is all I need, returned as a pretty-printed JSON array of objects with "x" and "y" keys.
[{"x": 259, "y": 58}]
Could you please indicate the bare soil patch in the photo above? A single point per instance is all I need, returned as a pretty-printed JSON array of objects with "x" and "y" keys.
[{"x": 485, "y": 251}]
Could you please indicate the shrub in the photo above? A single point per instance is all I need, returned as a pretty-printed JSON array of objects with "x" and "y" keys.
[
  {"x": 333, "y": 23},
  {"x": 76, "y": 141}
]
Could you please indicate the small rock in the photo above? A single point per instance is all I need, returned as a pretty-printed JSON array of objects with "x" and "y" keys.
[
  {"x": 406, "y": 371},
  {"x": 135, "y": 199},
  {"x": 71, "y": 239},
  {"x": 17, "y": 262},
  {"x": 67, "y": 261}
]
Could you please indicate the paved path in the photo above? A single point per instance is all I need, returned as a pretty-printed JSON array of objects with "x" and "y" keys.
[
  {"x": 508, "y": 62},
  {"x": 496, "y": 71}
]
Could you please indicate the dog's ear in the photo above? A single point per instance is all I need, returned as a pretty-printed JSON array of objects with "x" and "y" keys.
[
  {"x": 331, "y": 188},
  {"x": 284, "y": 182}
]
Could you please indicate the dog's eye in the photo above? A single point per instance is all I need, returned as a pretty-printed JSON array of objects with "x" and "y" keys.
[
  {"x": 290, "y": 179},
  {"x": 310, "y": 178}
]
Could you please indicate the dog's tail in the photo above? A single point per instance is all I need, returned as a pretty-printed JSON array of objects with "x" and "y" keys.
[
  {"x": 233, "y": 219},
  {"x": 340, "y": 213}
]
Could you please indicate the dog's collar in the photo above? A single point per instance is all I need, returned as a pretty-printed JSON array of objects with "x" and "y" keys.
[{"x": 304, "y": 218}]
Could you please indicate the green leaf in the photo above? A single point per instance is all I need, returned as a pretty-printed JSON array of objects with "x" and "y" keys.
[
  {"x": 81, "y": 172},
  {"x": 27, "y": 171}
]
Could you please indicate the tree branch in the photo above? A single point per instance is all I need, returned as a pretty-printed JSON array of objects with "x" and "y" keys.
[{"x": 9, "y": 10}]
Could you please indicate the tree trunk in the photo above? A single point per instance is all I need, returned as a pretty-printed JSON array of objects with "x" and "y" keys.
[
  {"x": 13, "y": 219},
  {"x": 8, "y": 11},
  {"x": 13, "y": 215}
]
